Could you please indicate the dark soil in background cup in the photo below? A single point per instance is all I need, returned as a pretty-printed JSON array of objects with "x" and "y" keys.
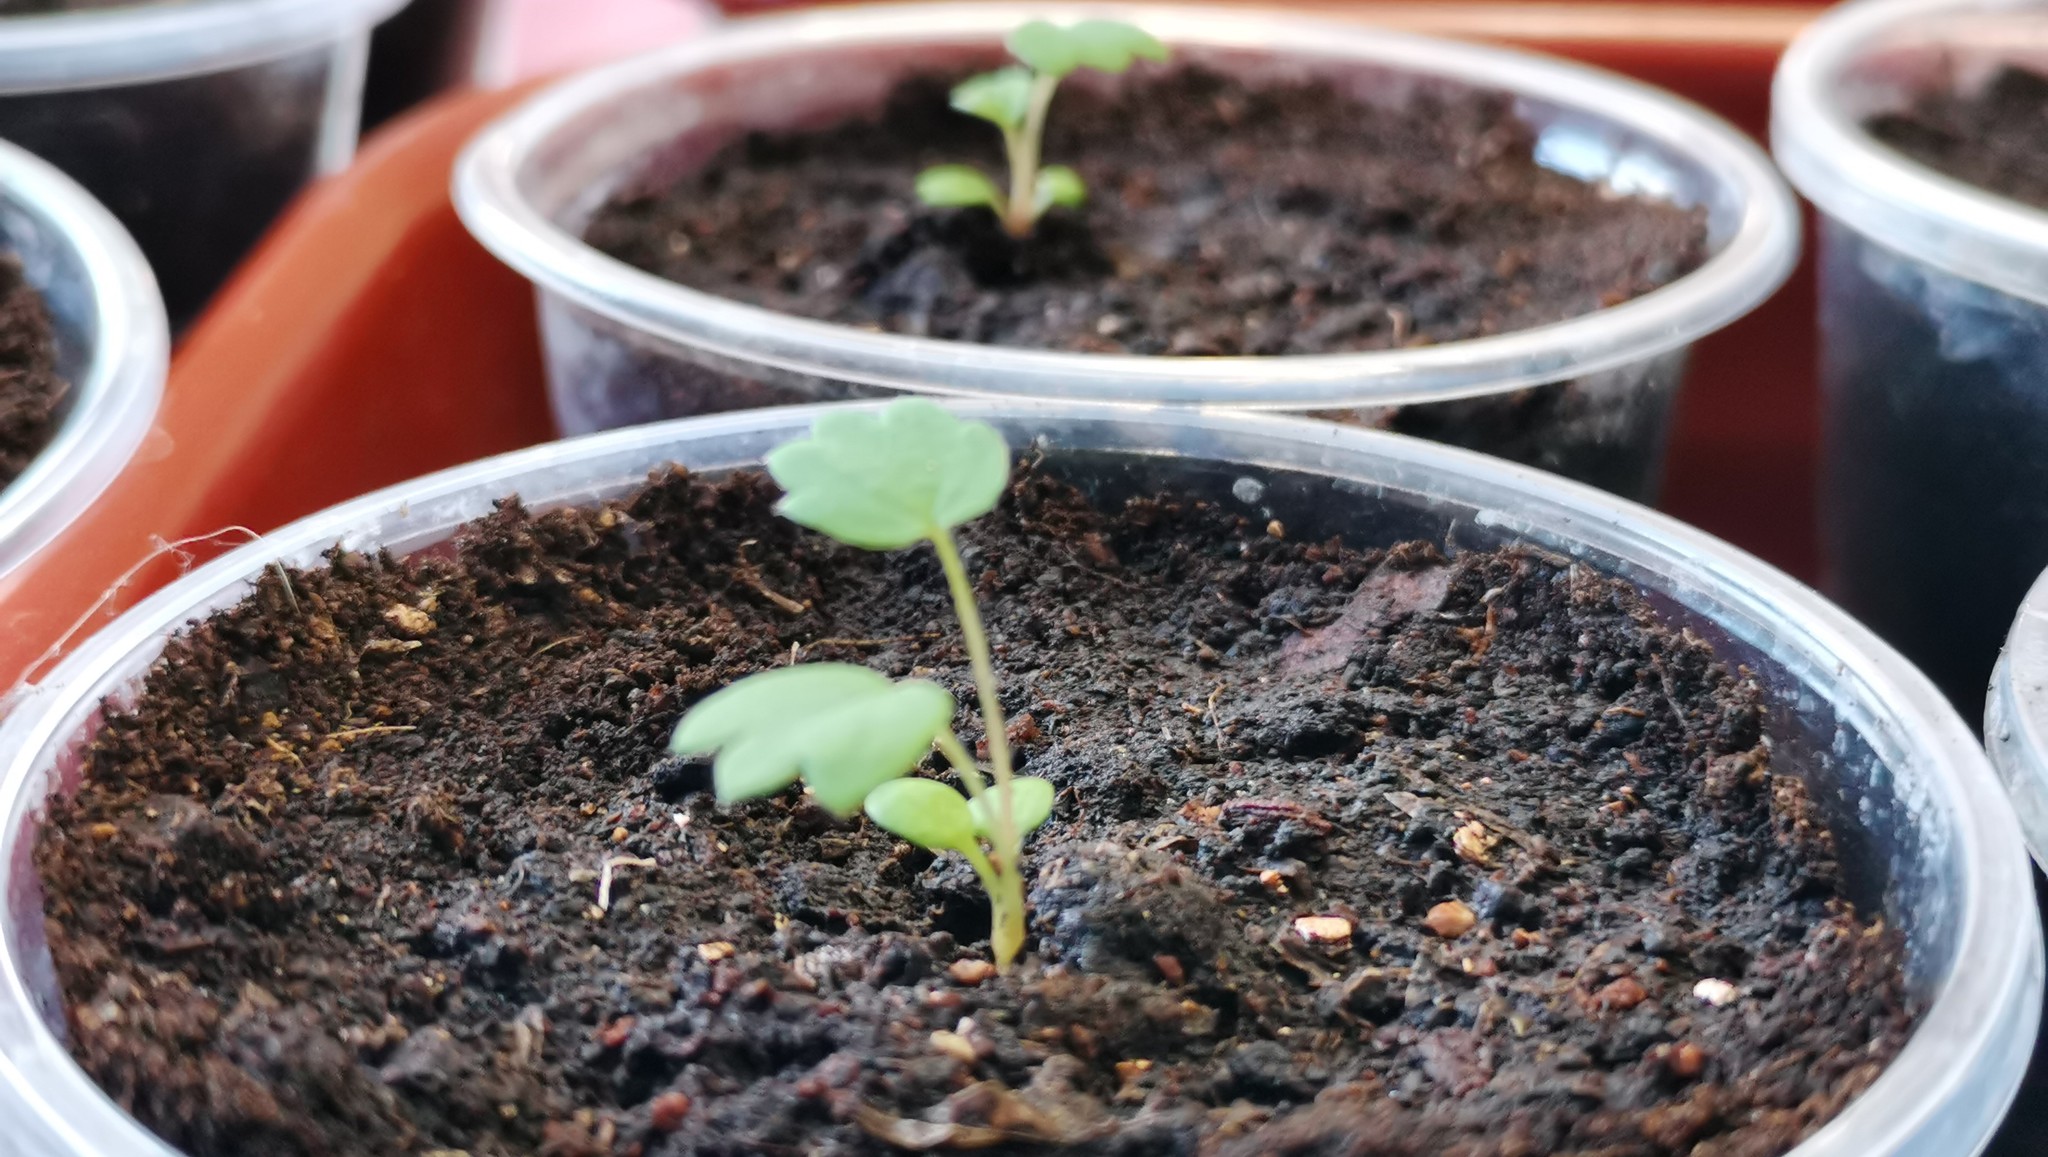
[
  {"x": 1349, "y": 843},
  {"x": 83, "y": 353},
  {"x": 31, "y": 389},
  {"x": 1224, "y": 218},
  {"x": 1991, "y": 138}
]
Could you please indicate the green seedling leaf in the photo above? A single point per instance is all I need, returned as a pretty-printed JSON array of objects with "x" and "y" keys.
[
  {"x": 1002, "y": 97},
  {"x": 1059, "y": 185},
  {"x": 1031, "y": 798},
  {"x": 928, "y": 814},
  {"x": 855, "y": 749},
  {"x": 738, "y": 721},
  {"x": 1111, "y": 45},
  {"x": 957, "y": 186},
  {"x": 841, "y": 728},
  {"x": 890, "y": 479},
  {"x": 1046, "y": 49}
]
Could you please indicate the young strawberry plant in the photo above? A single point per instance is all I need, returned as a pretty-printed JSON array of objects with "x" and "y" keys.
[
  {"x": 1015, "y": 100},
  {"x": 907, "y": 474}
]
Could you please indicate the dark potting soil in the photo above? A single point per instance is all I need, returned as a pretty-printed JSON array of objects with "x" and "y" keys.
[
  {"x": 390, "y": 860},
  {"x": 1996, "y": 139},
  {"x": 1224, "y": 219},
  {"x": 30, "y": 388}
]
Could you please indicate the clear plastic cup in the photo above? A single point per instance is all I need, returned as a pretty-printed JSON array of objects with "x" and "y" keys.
[
  {"x": 1590, "y": 397},
  {"x": 1922, "y": 826},
  {"x": 195, "y": 122},
  {"x": 430, "y": 46},
  {"x": 113, "y": 347},
  {"x": 1934, "y": 334},
  {"x": 2016, "y": 717}
]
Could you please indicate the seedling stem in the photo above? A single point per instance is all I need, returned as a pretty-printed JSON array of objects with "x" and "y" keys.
[
  {"x": 886, "y": 480},
  {"x": 1008, "y": 900}
]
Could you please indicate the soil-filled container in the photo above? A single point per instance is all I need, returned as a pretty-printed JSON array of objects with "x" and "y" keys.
[
  {"x": 104, "y": 354},
  {"x": 1846, "y": 735},
  {"x": 1588, "y": 395},
  {"x": 194, "y": 121},
  {"x": 1933, "y": 314}
]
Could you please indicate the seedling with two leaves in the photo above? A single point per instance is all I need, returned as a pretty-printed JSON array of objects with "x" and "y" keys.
[
  {"x": 907, "y": 474},
  {"x": 1015, "y": 99}
]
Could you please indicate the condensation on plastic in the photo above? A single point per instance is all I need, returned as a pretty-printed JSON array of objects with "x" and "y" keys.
[
  {"x": 113, "y": 347},
  {"x": 193, "y": 121},
  {"x": 1921, "y": 824},
  {"x": 2016, "y": 718},
  {"x": 1590, "y": 397},
  {"x": 1934, "y": 335}
]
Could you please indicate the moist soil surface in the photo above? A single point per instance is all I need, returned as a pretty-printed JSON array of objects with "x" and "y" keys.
[
  {"x": 389, "y": 859},
  {"x": 30, "y": 389},
  {"x": 1996, "y": 139},
  {"x": 1224, "y": 219}
]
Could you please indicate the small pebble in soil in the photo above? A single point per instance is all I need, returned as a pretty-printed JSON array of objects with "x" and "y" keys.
[
  {"x": 970, "y": 971},
  {"x": 1450, "y": 919},
  {"x": 668, "y": 1111},
  {"x": 1323, "y": 929},
  {"x": 1716, "y": 992}
]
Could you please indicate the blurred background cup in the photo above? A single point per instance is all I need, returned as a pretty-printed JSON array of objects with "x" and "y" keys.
[
  {"x": 1934, "y": 334},
  {"x": 194, "y": 123}
]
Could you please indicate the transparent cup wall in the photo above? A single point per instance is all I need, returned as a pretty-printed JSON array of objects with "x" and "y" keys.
[
  {"x": 1935, "y": 488},
  {"x": 1921, "y": 824},
  {"x": 1608, "y": 429},
  {"x": 2016, "y": 718},
  {"x": 1591, "y": 398},
  {"x": 51, "y": 262},
  {"x": 1934, "y": 333},
  {"x": 112, "y": 345},
  {"x": 199, "y": 166}
]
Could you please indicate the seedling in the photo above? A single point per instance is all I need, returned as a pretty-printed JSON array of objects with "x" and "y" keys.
[
  {"x": 886, "y": 480},
  {"x": 1015, "y": 100}
]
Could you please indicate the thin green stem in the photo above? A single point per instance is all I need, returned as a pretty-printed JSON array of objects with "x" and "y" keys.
[
  {"x": 1009, "y": 842},
  {"x": 991, "y": 880},
  {"x": 1024, "y": 146},
  {"x": 1006, "y": 906},
  {"x": 956, "y": 753}
]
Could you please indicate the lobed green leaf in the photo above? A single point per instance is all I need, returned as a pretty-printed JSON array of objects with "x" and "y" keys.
[
  {"x": 1059, "y": 185},
  {"x": 1030, "y": 800},
  {"x": 1046, "y": 49},
  {"x": 1103, "y": 45},
  {"x": 928, "y": 814},
  {"x": 1111, "y": 45},
  {"x": 1002, "y": 97},
  {"x": 954, "y": 186},
  {"x": 841, "y": 728},
  {"x": 887, "y": 479}
]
